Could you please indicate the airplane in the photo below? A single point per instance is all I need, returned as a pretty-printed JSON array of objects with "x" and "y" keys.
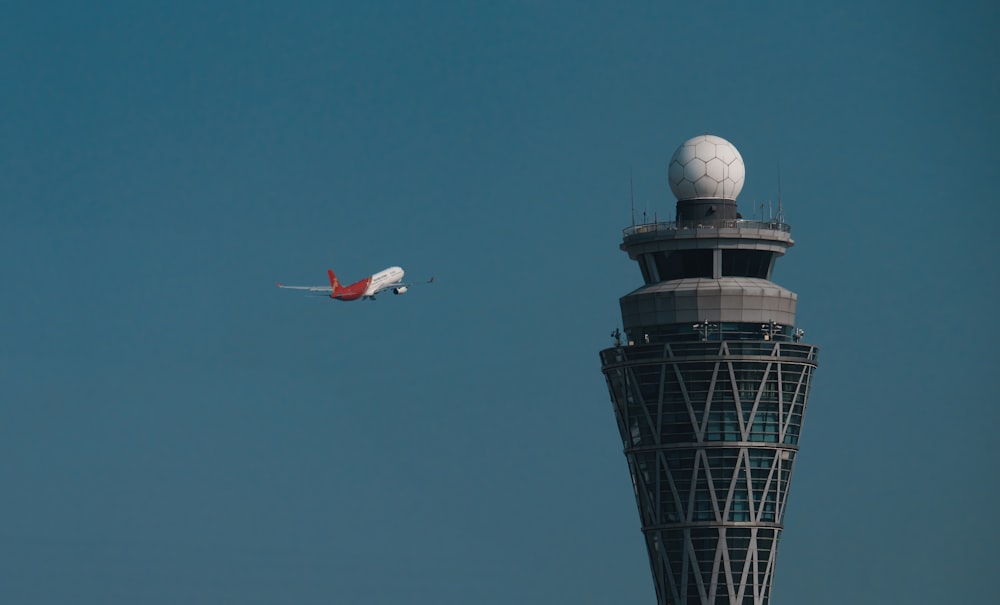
[{"x": 387, "y": 279}]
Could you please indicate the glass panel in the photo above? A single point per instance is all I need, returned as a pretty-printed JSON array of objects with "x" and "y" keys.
[
  {"x": 646, "y": 277},
  {"x": 746, "y": 263},
  {"x": 681, "y": 464},
  {"x": 681, "y": 264}
]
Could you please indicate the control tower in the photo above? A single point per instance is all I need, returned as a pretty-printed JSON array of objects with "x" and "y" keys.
[{"x": 709, "y": 384}]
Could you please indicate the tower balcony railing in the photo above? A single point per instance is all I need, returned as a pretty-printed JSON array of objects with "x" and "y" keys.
[
  {"x": 642, "y": 353},
  {"x": 703, "y": 223}
]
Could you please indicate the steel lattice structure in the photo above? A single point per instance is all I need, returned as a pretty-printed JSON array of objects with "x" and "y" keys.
[{"x": 710, "y": 432}]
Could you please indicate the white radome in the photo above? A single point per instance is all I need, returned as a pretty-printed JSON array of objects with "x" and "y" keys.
[{"x": 706, "y": 167}]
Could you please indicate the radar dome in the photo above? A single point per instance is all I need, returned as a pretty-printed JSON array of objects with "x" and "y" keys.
[{"x": 706, "y": 167}]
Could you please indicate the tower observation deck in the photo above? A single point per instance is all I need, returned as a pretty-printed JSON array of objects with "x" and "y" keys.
[{"x": 709, "y": 384}]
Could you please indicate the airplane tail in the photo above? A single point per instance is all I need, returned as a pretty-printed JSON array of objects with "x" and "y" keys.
[{"x": 334, "y": 282}]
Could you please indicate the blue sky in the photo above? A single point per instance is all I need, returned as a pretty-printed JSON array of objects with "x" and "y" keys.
[{"x": 175, "y": 429}]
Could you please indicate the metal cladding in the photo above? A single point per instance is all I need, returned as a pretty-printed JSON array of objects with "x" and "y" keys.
[{"x": 709, "y": 384}]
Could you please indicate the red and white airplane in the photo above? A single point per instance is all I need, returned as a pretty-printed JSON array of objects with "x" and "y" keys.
[{"x": 387, "y": 279}]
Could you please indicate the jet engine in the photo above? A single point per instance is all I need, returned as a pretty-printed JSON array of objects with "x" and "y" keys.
[{"x": 399, "y": 290}]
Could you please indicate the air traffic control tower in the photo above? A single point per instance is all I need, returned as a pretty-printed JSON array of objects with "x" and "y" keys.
[{"x": 709, "y": 383}]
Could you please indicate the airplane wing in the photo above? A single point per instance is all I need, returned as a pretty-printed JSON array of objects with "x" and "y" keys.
[{"x": 307, "y": 288}]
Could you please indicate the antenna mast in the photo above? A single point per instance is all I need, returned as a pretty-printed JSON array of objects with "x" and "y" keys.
[
  {"x": 781, "y": 215},
  {"x": 631, "y": 193}
]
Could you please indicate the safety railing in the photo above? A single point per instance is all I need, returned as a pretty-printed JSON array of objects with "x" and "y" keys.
[{"x": 737, "y": 223}]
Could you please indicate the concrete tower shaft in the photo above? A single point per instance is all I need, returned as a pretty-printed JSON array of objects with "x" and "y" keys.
[{"x": 709, "y": 385}]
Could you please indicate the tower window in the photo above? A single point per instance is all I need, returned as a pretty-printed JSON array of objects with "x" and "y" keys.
[
  {"x": 646, "y": 277},
  {"x": 746, "y": 263},
  {"x": 684, "y": 263}
]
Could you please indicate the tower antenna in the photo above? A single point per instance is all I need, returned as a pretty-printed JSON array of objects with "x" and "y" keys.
[
  {"x": 781, "y": 215},
  {"x": 631, "y": 193}
]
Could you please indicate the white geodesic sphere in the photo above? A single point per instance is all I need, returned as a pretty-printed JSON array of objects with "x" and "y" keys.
[{"x": 706, "y": 166}]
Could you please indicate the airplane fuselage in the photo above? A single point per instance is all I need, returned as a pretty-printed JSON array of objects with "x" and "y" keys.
[{"x": 370, "y": 286}]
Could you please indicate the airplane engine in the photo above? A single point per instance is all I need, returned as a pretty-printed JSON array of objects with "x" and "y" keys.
[{"x": 399, "y": 290}]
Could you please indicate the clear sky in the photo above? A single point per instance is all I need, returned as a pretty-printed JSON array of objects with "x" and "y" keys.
[{"x": 174, "y": 429}]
